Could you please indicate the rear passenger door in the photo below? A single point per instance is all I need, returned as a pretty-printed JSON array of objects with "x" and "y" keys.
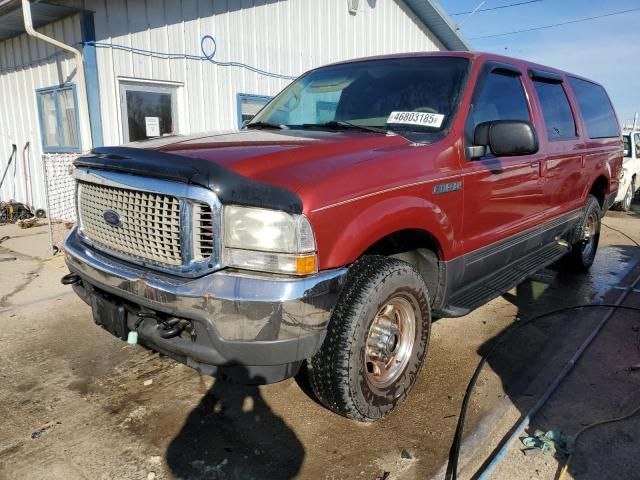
[
  {"x": 559, "y": 139},
  {"x": 503, "y": 195}
]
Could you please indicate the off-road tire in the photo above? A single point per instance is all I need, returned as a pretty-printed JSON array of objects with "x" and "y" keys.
[
  {"x": 338, "y": 371},
  {"x": 583, "y": 253}
]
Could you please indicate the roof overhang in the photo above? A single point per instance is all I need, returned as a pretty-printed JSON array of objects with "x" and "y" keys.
[
  {"x": 12, "y": 23},
  {"x": 436, "y": 19}
]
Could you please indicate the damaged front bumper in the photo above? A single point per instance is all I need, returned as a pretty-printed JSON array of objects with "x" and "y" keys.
[{"x": 259, "y": 327}]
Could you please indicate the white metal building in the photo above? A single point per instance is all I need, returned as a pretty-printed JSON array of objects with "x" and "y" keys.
[{"x": 146, "y": 69}]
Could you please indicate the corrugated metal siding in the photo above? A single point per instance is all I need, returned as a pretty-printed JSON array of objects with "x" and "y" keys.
[
  {"x": 283, "y": 36},
  {"x": 18, "y": 107}
]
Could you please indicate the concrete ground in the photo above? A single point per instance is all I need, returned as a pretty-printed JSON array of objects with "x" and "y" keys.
[{"x": 83, "y": 404}]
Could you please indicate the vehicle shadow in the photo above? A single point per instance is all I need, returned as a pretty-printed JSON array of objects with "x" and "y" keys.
[
  {"x": 534, "y": 355},
  {"x": 233, "y": 434}
]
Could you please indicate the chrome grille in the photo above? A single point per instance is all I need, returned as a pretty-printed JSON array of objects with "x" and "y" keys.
[
  {"x": 202, "y": 231},
  {"x": 149, "y": 222}
]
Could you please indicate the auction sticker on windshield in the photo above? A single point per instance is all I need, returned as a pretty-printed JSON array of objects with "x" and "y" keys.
[{"x": 416, "y": 118}]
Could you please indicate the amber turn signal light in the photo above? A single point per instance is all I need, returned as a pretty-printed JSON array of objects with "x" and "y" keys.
[{"x": 306, "y": 265}]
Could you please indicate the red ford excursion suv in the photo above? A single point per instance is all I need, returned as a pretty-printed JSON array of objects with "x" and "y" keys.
[{"x": 368, "y": 198}]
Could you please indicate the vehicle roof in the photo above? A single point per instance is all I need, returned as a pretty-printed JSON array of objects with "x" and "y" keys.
[{"x": 473, "y": 56}]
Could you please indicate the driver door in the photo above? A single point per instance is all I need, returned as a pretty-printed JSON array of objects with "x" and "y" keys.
[{"x": 503, "y": 195}]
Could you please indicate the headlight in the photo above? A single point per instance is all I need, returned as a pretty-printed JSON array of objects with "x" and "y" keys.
[{"x": 268, "y": 241}]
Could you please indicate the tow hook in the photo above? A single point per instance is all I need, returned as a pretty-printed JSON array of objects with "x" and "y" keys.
[
  {"x": 70, "y": 279},
  {"x": 175, "y": 326}
]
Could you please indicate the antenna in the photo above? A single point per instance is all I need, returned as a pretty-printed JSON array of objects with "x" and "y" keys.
[{"x": 471, "y": 14}]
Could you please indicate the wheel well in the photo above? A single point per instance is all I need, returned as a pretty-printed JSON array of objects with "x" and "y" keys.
[
  {"x": 416, "y": 247},
  {"x": 599, "y": 189}
]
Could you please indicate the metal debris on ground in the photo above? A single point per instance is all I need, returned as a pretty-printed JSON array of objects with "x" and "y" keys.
[
  {"x": 549, "y": 443},
  {"x": 27, "y": 222}
]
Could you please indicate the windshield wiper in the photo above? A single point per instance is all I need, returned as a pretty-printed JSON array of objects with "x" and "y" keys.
[
  {"x": 270, "y": 125},
  {"x": 342, "y": 124}
]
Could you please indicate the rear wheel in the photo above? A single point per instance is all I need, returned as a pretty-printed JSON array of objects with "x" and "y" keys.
[
  {"x": 376, "y": 340},
  {"x": 585, "y": 238}
]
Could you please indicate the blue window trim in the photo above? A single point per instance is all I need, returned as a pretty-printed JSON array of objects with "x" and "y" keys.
[
  {"x": 56, "y": 90},
  {"x": 247, "y": 96}
]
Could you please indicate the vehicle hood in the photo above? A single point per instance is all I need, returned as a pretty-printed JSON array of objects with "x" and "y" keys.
[{"x": 300, "y": 161}]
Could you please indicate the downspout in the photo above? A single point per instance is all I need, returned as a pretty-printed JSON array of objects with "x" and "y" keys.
[{"x": 85, "y": 132}]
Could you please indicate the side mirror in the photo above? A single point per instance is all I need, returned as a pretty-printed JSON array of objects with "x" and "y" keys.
[{"x": 506, "y": 138}]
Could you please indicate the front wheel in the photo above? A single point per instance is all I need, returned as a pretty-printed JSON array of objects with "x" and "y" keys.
[{"x": 376, "y": 340}]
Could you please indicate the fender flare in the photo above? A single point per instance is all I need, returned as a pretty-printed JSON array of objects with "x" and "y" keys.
[{"x": 384, "y": 218}]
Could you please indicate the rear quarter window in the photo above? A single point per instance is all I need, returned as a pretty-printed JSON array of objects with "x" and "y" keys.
[{"x": 599, "y": 117}]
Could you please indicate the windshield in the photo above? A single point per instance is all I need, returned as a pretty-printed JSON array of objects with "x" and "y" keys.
[
  {"x": 626, "y": 140},
  {"x": 404, "y": 94}
]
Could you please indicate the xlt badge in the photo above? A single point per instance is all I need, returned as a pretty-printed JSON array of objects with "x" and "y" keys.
[{"x": 447, "y": 187}]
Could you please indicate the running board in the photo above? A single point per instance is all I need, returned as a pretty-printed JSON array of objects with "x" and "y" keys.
[{"x": 503, "y": 280}]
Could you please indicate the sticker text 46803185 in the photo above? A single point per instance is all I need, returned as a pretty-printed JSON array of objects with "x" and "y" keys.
[{"x": 416, "y": 118}]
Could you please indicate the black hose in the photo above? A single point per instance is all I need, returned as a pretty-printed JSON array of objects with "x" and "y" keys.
[
  {"x": 621, "y": 233},
  {"x": 454, "y": 452}
]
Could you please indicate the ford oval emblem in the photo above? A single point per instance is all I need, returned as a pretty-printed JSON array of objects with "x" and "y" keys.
[{"x": 112, "y": 218}]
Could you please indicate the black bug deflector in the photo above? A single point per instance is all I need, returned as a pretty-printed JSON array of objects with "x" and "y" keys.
[{"x": 230, "y": 187}]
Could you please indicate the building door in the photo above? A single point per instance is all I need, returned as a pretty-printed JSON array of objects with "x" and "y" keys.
[{"x": 148, "y": 110}]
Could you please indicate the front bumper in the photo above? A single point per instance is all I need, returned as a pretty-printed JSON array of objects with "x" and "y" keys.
[{"x": 265, "y": 324}]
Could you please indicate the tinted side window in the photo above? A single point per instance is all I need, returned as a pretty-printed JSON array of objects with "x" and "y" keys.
[
  {"x": 502, "y": 98},
  {"x": 596, "y": 109},
  {"x": 558, "y": 117}
]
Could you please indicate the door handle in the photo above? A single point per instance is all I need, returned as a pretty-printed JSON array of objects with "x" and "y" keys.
[{"x": 534, "y": 164}]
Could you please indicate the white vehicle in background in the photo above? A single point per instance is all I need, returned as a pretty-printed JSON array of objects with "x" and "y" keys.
[{"x": 630, "y": 181}]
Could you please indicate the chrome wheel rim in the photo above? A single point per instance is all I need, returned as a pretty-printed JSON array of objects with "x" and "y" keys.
[
  {"x": 589, "y": 234},
  {"x": 628, "y": 197},
  {"x": 390, "y": 342}
]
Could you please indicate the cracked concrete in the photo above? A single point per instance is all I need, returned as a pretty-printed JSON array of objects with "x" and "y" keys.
[{"x": 33, "y": 275}]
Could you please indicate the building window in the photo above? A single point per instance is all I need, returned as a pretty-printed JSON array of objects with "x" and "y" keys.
[
  {"x": 58, "y": 113},
  {"x": 148, "y": 110},
  {"x": 249, "y": 105}
]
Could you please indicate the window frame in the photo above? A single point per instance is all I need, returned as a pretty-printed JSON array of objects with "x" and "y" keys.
[
  {"x": 248, "y": 96},
  {"x": 488, "y": 68},
  {"x": 56, "y": 91},
  {"x": 555, "y": 81},
  {"x": 125, "y": 85}
]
